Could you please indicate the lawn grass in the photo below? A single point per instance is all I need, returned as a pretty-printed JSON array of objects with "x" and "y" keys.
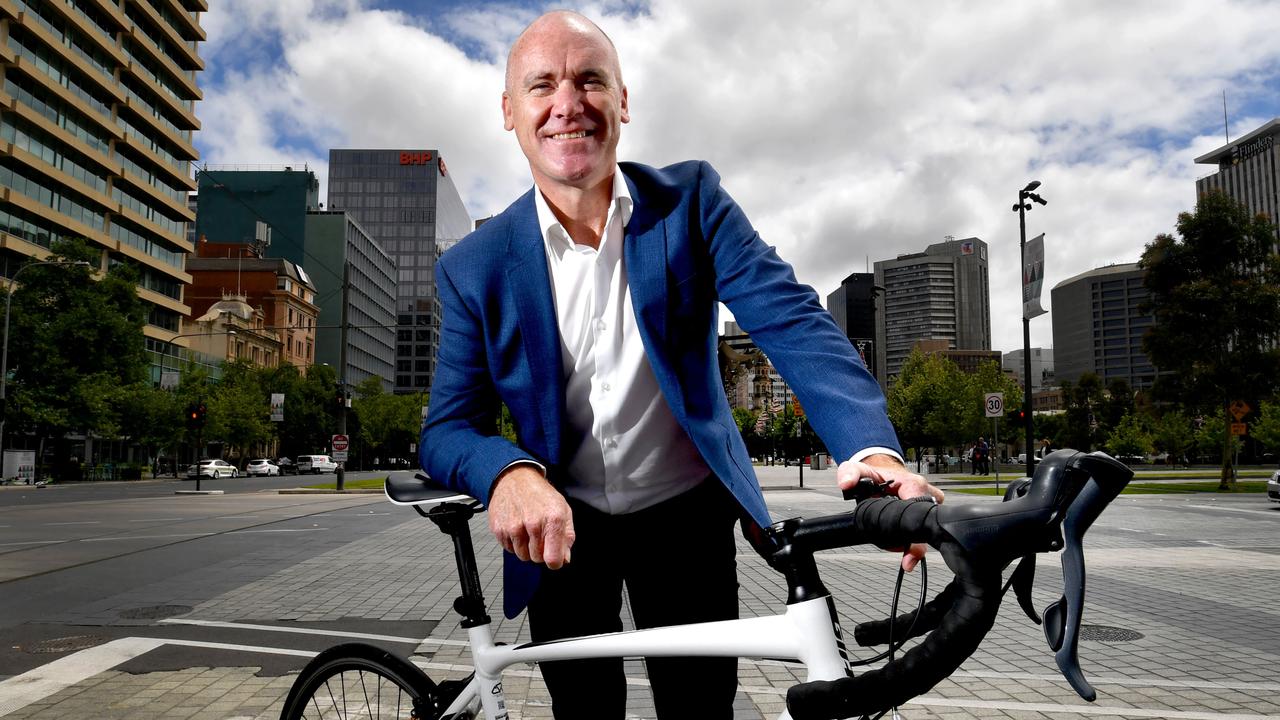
[
  {"x": 1146, "y": 488},
  {"x": 1208, "y": 475},
  {"x": 349, "y": 484}
]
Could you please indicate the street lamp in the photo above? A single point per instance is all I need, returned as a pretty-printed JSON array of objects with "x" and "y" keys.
[
  {"x": 4, "y": 355},
  {"x": 1026, "y": 193}
]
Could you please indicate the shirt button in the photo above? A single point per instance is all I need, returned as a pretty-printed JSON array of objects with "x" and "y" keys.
[
  {"x": 599, "y": 326},
  {"x": 606, "y": 387},
  {"x": 613, "y": 442}
]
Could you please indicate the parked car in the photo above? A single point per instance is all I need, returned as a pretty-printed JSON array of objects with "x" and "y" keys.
[
  {"x": 213, "y": 469},
  {"x": 1273, "y": 487},
  {"x": 287, "y": 467},
  {"x": 261, "y": 467},
  {"x": 316, "y": 464}
]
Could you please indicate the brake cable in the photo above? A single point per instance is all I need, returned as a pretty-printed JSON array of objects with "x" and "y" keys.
[{"x": 893, "y": 615}]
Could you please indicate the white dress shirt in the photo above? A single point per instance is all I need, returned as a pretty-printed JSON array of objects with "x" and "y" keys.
[{"x": 630, "y": 452}]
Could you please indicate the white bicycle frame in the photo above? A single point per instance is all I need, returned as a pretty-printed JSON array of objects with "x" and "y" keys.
[{"x": 806, "y": 632}]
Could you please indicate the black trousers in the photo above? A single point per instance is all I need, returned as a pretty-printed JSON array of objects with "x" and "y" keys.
[{"x": 677, "y": 561}]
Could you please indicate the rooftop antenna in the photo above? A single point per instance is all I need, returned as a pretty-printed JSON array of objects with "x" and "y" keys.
[{"x": 1225, "y": 131}]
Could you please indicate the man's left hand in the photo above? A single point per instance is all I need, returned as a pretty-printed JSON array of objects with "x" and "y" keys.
[{"x": 898, "y": 481}]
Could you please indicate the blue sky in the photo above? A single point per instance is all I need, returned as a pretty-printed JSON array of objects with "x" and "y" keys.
[{"x": 847, "y": 131}]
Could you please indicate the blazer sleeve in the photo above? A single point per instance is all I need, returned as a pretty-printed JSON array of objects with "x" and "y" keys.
[
  {"x": 460, "y": 446},
  {"x": 841, "y": 399}
]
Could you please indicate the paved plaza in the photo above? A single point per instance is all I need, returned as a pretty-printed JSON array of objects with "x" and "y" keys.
[{"x": 1181, "y": 600}]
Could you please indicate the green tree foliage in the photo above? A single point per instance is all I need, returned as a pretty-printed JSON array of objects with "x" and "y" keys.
[
  {"x": 1174, "y": 434},
  {"x": 152, "y": 418},
  {"x": 1130, "y": 436},
  {"x": 1214, "y": 434},
  {"x": 239, "y": 412},
  {"x": 1215, "y": 298},
  {"x": 75, "y": 346},
  {"x": 1266, "y": 428},
  {"x": 310, "y": 407},
  {"x": 389, "y": 424},
  {"x": 1084, "y": 402}
]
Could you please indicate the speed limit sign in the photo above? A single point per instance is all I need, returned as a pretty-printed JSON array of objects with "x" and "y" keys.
[{"x": 994, "y": 403}]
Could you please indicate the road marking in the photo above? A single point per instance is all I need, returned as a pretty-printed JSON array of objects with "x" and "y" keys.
[
  {"x": 160, "y": 519},
  {"x": 33, "y": 542},
  {"x": 145, "y": 537},
  {"x": 235, "y": 517},
  {"x": 306, "y": 631},
  {"x": 19, "y": 691},
  {"x": 1271, "y": 513},
  {"x": 279, "y": 530},
  {"x": 82, "y": 522}
]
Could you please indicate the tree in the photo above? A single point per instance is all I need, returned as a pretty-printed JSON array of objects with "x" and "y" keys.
[
  {"x": 150, "y": 417},
  {"x": 310, "y": 407},
  {"x": 1215, "y": 301},
  {"x": 75, "y": 346},
  {"x": 389, "y": 424},
  {"x": 1173, "y": 434},
  {"x": 1129, "y": 437},
  {"x": 1084, "y": 400},
  {"x": 1266, "y": 428},
  {"x": 239, "y": 411}
]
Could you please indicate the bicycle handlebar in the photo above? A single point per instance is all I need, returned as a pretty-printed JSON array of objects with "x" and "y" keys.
[{"x": 977, "y": 541}]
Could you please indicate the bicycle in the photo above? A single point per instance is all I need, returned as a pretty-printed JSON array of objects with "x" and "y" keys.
[{"x": 1047, "y": 513}]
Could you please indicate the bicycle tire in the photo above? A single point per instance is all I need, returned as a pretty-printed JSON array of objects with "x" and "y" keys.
[{"x": 355, "y": 680}]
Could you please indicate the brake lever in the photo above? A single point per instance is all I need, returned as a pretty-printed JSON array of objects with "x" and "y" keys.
[
  {"x": 1021, "y": 581},
  {"x": 1107, "y": 477}
]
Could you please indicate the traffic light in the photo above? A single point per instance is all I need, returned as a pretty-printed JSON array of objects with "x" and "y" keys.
[
  {"x": 200, "y": 413},
  {"x": 193, "y": 416}
]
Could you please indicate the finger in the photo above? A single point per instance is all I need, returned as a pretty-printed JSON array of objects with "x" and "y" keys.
[
  {"x": 556, "y": 542},
  {"x": 520, "y": 547},
  {"x": 535, "y": 546},
  {"x": 912, "y": 556}
]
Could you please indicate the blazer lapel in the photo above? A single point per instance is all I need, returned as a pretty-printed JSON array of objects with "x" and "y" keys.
[
  {"x": 645, "y": 252},
  {"x": 529, "y": 283}
]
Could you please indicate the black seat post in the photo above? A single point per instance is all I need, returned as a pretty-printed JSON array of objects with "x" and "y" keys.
[{"x": 454, "y": 519}]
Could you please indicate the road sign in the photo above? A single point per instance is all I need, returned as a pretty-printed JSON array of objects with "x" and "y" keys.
[
  {"x": 1238, "y": 409},
  {"x": 1239, "y": 428},
  {"x": 340, "y": 443},
  {"x": 994, "y": 403}
]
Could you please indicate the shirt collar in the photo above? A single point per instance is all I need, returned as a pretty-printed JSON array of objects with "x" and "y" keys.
[{"x": 553, "y": 233}]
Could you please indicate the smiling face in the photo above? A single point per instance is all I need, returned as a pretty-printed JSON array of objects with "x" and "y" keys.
[{"x": 565, "y": 101}]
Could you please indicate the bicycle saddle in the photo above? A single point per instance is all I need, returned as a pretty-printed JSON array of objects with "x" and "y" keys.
[{"x": 1050, "y": 512}]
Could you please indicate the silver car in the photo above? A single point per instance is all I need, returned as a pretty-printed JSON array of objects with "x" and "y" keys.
[
  {"x": 1273, "y": 487},
  {"x": 261, "y": 467},
  {"x": 213, "y": 469}
]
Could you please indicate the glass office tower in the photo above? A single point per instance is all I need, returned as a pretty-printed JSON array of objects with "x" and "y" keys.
[{"x": 407, "y": 201}]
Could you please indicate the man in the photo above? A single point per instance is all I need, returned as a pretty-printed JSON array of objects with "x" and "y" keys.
[{"x": 589, "y": 309}]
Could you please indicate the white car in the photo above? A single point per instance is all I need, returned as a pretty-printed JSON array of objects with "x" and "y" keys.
[
  {"x": 213, "y": 469},
  {"x": 1273, "y": 487},
  {"x": 261, "y": 467},
  {"x": 316, "y": 464}
]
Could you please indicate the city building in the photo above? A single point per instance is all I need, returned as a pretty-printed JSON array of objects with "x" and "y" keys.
[
  {"x": 1249, "y": 171},
  {"x": 407, "y": 201},
  {"x": 750, "y": 380},
  {"x": 942, "y": 293},
  {"x": 96, "y": 122},
  {"x": 337, "y": 242},
  {"x": 968, "y": 361},
  {"x": 260, "y": 206},
  {"x": 231, "y": 329},
  {"x": 279, "y": 289},
  {"x": 853, "y": 307},
  {"x": 1042, "y": 375},
  {"x": 1098, "y": 328}
]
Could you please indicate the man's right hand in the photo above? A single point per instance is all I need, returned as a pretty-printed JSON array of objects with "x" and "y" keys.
[{"x": 530, "y": 518}]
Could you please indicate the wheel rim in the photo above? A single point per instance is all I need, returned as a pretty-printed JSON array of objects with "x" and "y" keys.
[{"x": 359, "y": 694}]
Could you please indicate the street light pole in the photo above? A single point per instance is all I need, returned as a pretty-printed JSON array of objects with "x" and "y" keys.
[
  {"x": 4, "y": 354},
  {"x": 1021, "y": 208}
]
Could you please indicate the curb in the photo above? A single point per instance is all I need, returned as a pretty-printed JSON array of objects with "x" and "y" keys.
[
  {"x": 322, "y": 491},
  {"x": 198, "y": 492}
]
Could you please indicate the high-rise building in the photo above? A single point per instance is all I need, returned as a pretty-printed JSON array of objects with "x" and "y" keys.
[
  {"x": 1042, "y": 372},
  {"x": 96, "y": 119},
  {"x": 1249, "y": 171},
  {"x": 942, "y": 293},
  {"x": 339, "y": 244},
  {"x": 265, "y": 208},
  {"x": 1098, "y": 328},
  {"x": 853, "y": 307},
  {"x": 408, "y": 202}
]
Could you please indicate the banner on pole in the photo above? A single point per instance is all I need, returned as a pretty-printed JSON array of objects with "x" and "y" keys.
[
  {"x": 277, "y": 407},
  {"x": 1033, "y": 278}
]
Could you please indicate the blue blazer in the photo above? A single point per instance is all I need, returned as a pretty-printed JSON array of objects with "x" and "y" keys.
[{"x": 687, "y": 247}]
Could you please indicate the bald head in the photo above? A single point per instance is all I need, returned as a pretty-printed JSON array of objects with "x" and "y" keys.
[{"x": 558, "y": 23}]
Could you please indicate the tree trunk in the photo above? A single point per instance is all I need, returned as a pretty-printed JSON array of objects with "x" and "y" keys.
[{"x": 1228, "y": 478}]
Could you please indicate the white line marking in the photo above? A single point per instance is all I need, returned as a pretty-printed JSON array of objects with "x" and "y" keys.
[
  {"x": 33, "y": 542},
  {"x": 82, "y": 522},
  {"x": 235, "y": 517},
  {"x": 277, "y": 530},
  {"x": 309, "y": 631},
  {"x": 159, "y": 519},
  {"x": 145, "y": 537},
  {"x": 22, "y": 690},
  {"x": 241, "y": 648},
  {"x": 1272, "y": 513}
]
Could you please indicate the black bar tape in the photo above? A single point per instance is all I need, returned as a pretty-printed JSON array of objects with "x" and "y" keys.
[
  {"x": 876, "y": 632},
  {"x": 960, "y": 631},
  {"x": 893, "y": 523}
]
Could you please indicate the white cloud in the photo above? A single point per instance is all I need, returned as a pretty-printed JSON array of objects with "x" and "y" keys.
[{"x": 846, "y": 130}]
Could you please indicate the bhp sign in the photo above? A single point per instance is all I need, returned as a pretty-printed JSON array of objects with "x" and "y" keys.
[{"x": 415, "y": 158}]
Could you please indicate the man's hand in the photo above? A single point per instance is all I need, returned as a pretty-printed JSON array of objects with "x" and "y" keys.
[
  {"x": 898, "y": 481},
  {"x": 531, "y": 518}
]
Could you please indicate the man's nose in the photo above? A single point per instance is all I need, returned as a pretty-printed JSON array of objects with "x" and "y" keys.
[{"x": 567, "y": 101}]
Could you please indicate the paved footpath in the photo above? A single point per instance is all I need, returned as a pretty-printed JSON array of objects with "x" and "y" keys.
[{"x": 1182, "y": 601}]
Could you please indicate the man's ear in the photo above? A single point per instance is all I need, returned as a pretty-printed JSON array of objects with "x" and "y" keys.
[
  {"x": 508, "y": 121},
  {"x": 625, "y": 116}
]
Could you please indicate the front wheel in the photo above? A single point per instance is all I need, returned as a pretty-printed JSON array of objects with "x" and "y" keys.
[{"x": 360, "y": 681}]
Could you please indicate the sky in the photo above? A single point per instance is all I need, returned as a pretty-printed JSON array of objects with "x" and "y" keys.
[{"x": 849, "y": 132}]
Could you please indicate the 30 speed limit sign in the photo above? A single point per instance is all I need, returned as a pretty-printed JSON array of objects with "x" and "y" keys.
[{"x": 994, "y": 403}]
